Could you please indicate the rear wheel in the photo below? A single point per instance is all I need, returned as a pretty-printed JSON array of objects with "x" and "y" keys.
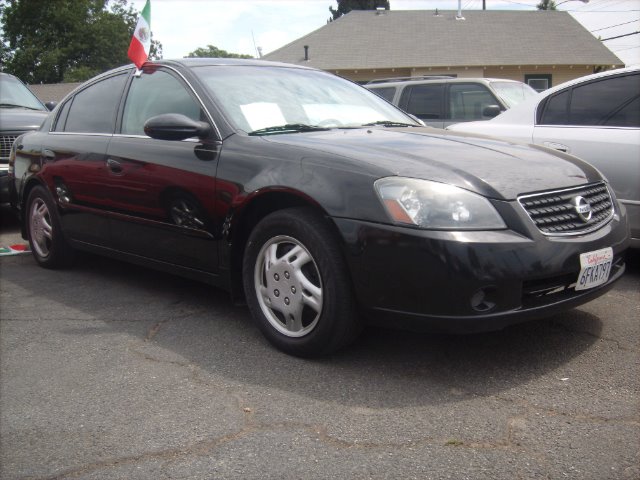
[
  {"x": 297, "y": 285},
  {"x": 46, "y": 240}
]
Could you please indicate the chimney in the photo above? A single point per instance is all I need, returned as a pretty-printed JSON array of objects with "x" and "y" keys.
[
  {"x": 306, "y": 53},
  {"x": 459, "y": 15}
]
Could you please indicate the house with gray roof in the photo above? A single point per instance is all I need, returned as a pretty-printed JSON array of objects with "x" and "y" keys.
[
  {"x": 542, "y": 48},
  {"x": 52, "y": 92}
]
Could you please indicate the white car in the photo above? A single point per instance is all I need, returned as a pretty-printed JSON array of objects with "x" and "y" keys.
[{"x": 596, "y": 118}]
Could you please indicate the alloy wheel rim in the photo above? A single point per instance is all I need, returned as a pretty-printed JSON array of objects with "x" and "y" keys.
[
  {"x": 40, "y": 228},
  {"x": 288, "y": 286}
]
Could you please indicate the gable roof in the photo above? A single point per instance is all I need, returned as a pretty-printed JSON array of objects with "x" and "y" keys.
[
  {"x": 365, "y": 39},
  {"x": 48, "y": 92}
]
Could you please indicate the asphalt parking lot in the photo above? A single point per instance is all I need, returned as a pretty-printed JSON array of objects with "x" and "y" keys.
[{"x": 113, "y": 371}]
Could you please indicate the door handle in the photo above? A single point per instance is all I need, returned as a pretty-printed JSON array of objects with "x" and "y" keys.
[
  {"x": 557, "y": 146},
  {"x": 114, "y": 166}
]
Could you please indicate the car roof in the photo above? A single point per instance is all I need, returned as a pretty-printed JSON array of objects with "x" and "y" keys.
[
  {"x": 204, "y": 62},
  {"x": 588, "y": 78},
  {"x": 436, "y": 79}
]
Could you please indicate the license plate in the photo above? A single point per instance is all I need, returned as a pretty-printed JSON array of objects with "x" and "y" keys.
[{"x": 595, "y": 268}]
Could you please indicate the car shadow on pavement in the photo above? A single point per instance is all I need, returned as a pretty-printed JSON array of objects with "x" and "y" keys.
[{"x": 186, "y": 323}]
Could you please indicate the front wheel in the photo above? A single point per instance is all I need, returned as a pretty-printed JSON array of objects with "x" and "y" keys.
[
  {"x": 297, "y": 286},
  {"x": 46, "y": 240}
]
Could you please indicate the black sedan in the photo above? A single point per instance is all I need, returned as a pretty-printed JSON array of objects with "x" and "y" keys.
[{"x": 315, "y": 201}]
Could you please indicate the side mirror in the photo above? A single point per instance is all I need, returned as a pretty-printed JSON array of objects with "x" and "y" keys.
[
  {"x": 175, "y": 126},
  {"x": 491, "y": 111},
  {"x": 50, "y": 105}
]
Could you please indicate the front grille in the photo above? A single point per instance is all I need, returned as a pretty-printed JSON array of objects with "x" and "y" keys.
[
  {"x": 5, "y": 146},
  {"x": 557, "y": 212}
]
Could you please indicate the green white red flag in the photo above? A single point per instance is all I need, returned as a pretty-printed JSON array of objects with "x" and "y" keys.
[{"x": 141, "y": 41}]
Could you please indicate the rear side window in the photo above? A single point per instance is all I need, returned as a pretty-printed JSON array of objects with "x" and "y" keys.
[
  {"x": 613, "y": 101},
  {"x": 603, "y": 102},
  {"x": 627, "y": 116},
  {"x": 62, "y": 117},
  {"x": 556, "y": 110},
  {"x": 468, "y": 100},
  {"x": 93, "y": 110},
  {"x": 424, "y": 101},
  {"x": 386, "y": 92}
]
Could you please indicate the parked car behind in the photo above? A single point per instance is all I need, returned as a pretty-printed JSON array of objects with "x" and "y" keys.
[
  {"x": 315, "y": 200},
  {"x": 596, "y": 118},
  {"x": 442, "y": 101},
  {"x": 20, "y": 111}
]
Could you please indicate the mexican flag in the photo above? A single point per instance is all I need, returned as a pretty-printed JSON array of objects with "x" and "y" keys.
[{"x": 141, "y": 41}]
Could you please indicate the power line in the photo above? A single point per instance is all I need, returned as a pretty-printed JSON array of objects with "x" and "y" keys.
[
  {"x": 617, "y": 25},
  {"x": 626, "y": 48},
  {"x": 620, "y": 36}
]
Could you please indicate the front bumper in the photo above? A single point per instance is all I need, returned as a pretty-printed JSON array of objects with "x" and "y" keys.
[
  {"x": 4, "y": 186},
  {"x": 471, "y": 281}
]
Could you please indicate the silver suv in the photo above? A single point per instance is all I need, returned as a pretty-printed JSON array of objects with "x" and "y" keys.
[{"x": 442, "y": 101}]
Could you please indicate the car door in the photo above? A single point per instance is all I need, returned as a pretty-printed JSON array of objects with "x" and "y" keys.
[
  {"x": 467, "y": 103},
  {"x": 74, "y": 159},
  {"x": 599, "y": 121},
  {"x": 162, "y": 190},
  {"x": 425, "y": 102}
]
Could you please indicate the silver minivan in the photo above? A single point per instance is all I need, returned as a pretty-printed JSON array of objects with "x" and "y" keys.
[{"x": 440, "y": 101}]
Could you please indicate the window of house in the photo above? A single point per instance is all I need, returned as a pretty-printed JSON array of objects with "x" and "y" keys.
[
  {"x": 93, "y": 110},
  {"x": 424, "y": 101},
  {"x": 538, "y": 82},
  {"x": 468, "y": 100},
  {"x": 155, "y": 93}
]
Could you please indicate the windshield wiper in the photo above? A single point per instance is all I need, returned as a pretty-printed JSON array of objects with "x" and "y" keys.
[
  {"x": 13, "y": 105},
  {"x": 288, "y": 128},
  {"x": 389, "y": 123}
]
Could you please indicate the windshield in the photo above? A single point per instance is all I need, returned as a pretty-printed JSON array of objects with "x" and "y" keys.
[
  {"x": 513, "y": 93},
  {"x": 14, "y": 94},
  {"x": 257, "y": 99}
]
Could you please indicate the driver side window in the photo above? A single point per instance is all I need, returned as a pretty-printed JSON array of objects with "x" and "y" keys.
[{"x": 155, "y": 93}]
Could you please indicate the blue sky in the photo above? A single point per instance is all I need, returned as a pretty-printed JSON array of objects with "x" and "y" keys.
[{"x": 239, "y": 26}]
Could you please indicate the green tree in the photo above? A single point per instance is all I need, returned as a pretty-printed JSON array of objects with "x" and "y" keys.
[
  {"x": 214, "y": 52},
  {"x": 67, "y": 40},
  {"x": 345, "y": 6},
  {"x": 546, "y": 5}
]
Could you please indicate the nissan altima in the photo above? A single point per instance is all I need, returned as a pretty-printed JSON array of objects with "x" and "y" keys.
[{"x": 317, "y": 203}]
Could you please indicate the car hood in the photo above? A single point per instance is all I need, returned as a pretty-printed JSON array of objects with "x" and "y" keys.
[
  {"x": 20, "y": 119},
  {"x": 491, "y": 167}
]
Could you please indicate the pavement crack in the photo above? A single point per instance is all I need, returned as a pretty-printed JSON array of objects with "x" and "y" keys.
[
  {"x": 587, "y": 333},
  {"x": 154, "y": 330}
]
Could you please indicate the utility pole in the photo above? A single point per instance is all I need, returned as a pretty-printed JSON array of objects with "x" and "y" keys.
[{"x": 484, "y": 4}]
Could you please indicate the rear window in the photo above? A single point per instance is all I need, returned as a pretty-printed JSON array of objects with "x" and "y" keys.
[{"x": 385, "y": 92}]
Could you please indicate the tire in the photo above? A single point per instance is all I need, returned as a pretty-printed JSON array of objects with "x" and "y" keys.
[
  {"x": 44, "y": 232},
  {"x": 297, "y": 286}
]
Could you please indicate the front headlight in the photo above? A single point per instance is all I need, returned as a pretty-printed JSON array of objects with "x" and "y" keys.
[{"x": 427, "y": 204}]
